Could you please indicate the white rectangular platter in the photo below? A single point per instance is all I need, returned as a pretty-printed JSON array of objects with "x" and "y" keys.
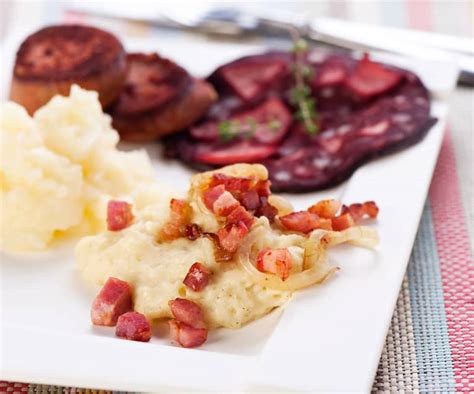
[{"x": 327, "y": 339}]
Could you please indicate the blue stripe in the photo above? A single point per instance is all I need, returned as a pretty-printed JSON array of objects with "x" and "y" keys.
[
  {"x": 393, "y": 13},
  {"x": 433, "y": 354}
]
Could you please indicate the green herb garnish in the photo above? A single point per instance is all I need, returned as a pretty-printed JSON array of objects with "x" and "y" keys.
[{"x": 301, "y": 93}]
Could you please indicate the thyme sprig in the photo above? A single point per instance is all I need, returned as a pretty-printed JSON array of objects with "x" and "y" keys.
[
  {"x": 230, "y": 129},
  {"x": 301, "y": 93}
]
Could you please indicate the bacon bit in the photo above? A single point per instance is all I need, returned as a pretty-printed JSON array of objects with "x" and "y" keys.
[
  {"x": 231, "y": 183},
  {"x": 113, "y": 300},
  {"x": 187, "y": 312},
  {"x": 251, "y": 200},
  {"x": 371, "y": 209},
  {"x": 220, "y": 254},
  {"x": 266, "y": 209},
  {"x": 133, "y": 326},
  {"x": 179, "y": 214},
  {"x": 239, "y": 214},
  {"x": 192, "y": 231},
  {"x": 326, "y": 208},
  {"x": 325, "y": 224},
  {"x": 301, "y": 221},
  {"x": 342, "y": 222},
  {"x": 119, "y": 215},
  {"x": 211, "y": 195},
  {"x": 263, "y": 188},
  {"x": 275, "y": 261},
  {"x": 358, "y": 211},
  {"x": 232, "y": 235},
  {"x": 197, "y": 277},
  {"x": 225, "y": 204},
  {"x": 186, "y": 336}
]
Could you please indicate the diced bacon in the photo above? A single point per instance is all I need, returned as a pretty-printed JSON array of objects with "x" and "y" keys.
[
  {"x": 266, "y": 209},
  {"x": 251, "y": 200},
  {"x": 231, "y": 183},
  {"x": 211, "y": 195},
  {"x": 197, "y": 277},
  {"x": 231, "y": 236},
  {"x": 188, "y": 312},
  {"x": 358, "y": 211},
  {"x": 113, "y": 300},
  {"x": 325, "y": 224},
  {"x": 185, "y": 335},
  {"x": 239, "y": 214},
  {"x": 119, "y": 215},
  {"x": 342, "y": 222},
  {"x": 326, "y": 208},
  {"x": 225, "y": 204},
  {"x": 263, "y": 188},
  {"x": 275, "y": 261},
  {"x": 133, "y": 326},
  {"x": 179, "y": 215},
  {"x": 302, "y": 221},
  {"x": 371, "y": 209},
  {"x": 192, "y": 231}
]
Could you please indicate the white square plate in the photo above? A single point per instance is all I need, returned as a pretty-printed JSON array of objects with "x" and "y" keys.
[{"x": 328, "y": 338}]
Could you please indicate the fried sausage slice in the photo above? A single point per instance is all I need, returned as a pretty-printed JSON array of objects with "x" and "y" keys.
[
  {"x": 159, "y": 98},
  {"x": 49, "y": 61}
]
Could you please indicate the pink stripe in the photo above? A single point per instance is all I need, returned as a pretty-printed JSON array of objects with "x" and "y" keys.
[
  {"x": 457, "y": 267},
  {"x": 419, "y": 14}
]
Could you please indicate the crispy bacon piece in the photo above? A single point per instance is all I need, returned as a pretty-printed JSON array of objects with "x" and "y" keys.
[
  {"x": 266, "y": 209},
  {"x": 179, "y": 216},
  {"x": 197, "y": 277},
  {"x": 263, "y": 188},
  {"x": 220, "y": 254},
  {"x": 251, "y": 200},
  {"x": 239, "y": 214},
  {"x": 133, "y": 326},
  {"x": 113, "y": 300},
  {"x": 210, "y": 196},
  {"x": 232, "y": 235},
  {"x": 119, "y": 215},
  {"x": 358, "y": 211},
  {"x": 231, "y": 183},
  {"x": 326, "y": 208},
  {"x": 187, "y": 312},
  {"x": 342, "y": 222},
  {"x": 225, "y": 204},
  {"x": 275, "y": 261},
  {"x": 302, "y": 221},
  {"x": 185, "y": 335}
]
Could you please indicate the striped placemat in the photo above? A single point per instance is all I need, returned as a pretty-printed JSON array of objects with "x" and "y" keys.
[{"x": 430, "y": 344}]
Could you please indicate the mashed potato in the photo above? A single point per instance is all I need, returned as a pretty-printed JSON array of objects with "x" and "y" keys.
[
  {"x": 156, "y": 271},
  {"x": 59, "y": 169}
]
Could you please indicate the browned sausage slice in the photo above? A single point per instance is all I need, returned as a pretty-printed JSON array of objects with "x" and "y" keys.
[
  {"x": 159, "y": 98},
  {"x": 49, "y": 61}
]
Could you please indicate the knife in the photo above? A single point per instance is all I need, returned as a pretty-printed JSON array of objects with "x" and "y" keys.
[{"x": 339, "y": 33}]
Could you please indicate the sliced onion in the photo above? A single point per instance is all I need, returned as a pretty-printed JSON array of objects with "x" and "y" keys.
[
  {"x": 316, "y": 266},
  {"x": 364, "y": 237},
  {"x": 296, "y": 281}
]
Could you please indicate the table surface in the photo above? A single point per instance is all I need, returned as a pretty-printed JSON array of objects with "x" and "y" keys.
[{"x": 430, "y": 344}]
